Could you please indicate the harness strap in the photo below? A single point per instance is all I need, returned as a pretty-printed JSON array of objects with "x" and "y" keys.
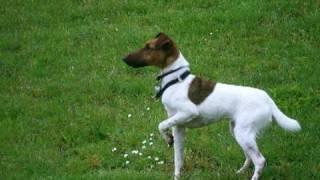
[
  {"x": 169, "y": 72},
  {"x": 182, "y": 77}
]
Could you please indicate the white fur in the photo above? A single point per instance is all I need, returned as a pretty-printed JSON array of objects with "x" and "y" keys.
[{"x": 250, "y": 109}]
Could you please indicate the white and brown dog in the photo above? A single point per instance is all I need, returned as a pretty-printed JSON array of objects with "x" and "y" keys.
[{"x": 191, "y": 102}]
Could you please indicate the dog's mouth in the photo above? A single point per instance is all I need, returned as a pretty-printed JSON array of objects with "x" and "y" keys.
[{"x": 136, "y": 63}]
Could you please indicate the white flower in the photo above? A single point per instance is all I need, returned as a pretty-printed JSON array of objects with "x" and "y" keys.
[
  {"x": 140, "y": 154},
  {"x": 143, "y": 147},
  {"x": 125, "y": 155},
  {"x": 114, "y": 149},
  {"x": 135, "y": 152},
  {"x": 149, "y": 157},
  {"x": 127, "y": 162},
  {"x": 156, "y": 159},
  {"x": 145, "y": 141},
  {"x": 129, "y": 115},
  {"x": 151, "y": 134},
  {"x": 150, "y": 143},
  {"x": 148, "y": 109},
  {"x": 160, "y": 162},
  {"x": 211, "y": 33},
  {"x": 150, "y": 139}
]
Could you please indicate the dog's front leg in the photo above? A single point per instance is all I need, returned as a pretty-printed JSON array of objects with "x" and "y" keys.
[
  {"x": 178, "y": 134},
  {"x": 175, "y": 120}
]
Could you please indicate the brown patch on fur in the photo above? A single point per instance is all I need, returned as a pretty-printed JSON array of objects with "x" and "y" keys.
[
  {"x": 200, "y": 89},
  {"x": 160, "y": 51}
]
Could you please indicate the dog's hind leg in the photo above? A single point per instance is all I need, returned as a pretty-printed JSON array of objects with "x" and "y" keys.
[
  {"x": 245, "y": 165},
  {"x": 246, "y": 139}
]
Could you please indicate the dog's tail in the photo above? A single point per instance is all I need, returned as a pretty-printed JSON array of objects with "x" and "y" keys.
[{"x": 284, "y": 121}]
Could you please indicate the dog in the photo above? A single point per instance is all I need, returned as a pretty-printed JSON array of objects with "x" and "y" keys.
[{"x": 192, "y": 102}]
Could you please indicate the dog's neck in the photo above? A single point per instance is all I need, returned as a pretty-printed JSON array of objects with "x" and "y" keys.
[{"x": 179, "y": 62}]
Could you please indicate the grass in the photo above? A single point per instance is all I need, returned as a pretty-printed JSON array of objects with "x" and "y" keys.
[{"x": 65, "y": 94}]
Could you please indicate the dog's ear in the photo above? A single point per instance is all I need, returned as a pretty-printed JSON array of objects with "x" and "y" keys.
[
  {"x": 160, "y": 34},
  {"x": 163, "y": 42}
]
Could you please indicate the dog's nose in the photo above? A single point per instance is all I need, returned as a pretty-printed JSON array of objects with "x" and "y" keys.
[{"x": 124, "y": 58}]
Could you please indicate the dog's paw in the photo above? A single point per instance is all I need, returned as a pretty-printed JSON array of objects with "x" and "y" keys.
[
  {"x": 239, "y": 171},
  {"x": 170, "y": 140},
  {"x": 176, "y": 177}
]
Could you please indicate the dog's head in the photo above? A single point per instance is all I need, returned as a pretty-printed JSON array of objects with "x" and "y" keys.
[{"x": 160, "y": 51}]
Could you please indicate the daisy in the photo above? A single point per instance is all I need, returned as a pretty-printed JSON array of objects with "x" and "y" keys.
[
  {"x": 160, "y": 162},
  {"x": 135, "y": 152}
]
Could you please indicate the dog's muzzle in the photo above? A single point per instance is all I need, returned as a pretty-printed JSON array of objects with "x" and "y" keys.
[{"x": 136, "y": 63}]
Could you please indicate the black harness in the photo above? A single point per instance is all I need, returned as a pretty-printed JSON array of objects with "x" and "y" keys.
[{"x": 182, "y": 77}]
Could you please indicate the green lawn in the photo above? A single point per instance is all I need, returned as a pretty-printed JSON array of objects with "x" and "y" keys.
[{"x": 65, "y": 94}]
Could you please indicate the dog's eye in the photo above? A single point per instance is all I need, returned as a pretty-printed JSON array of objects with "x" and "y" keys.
[{"x": 147, "y": 47}]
